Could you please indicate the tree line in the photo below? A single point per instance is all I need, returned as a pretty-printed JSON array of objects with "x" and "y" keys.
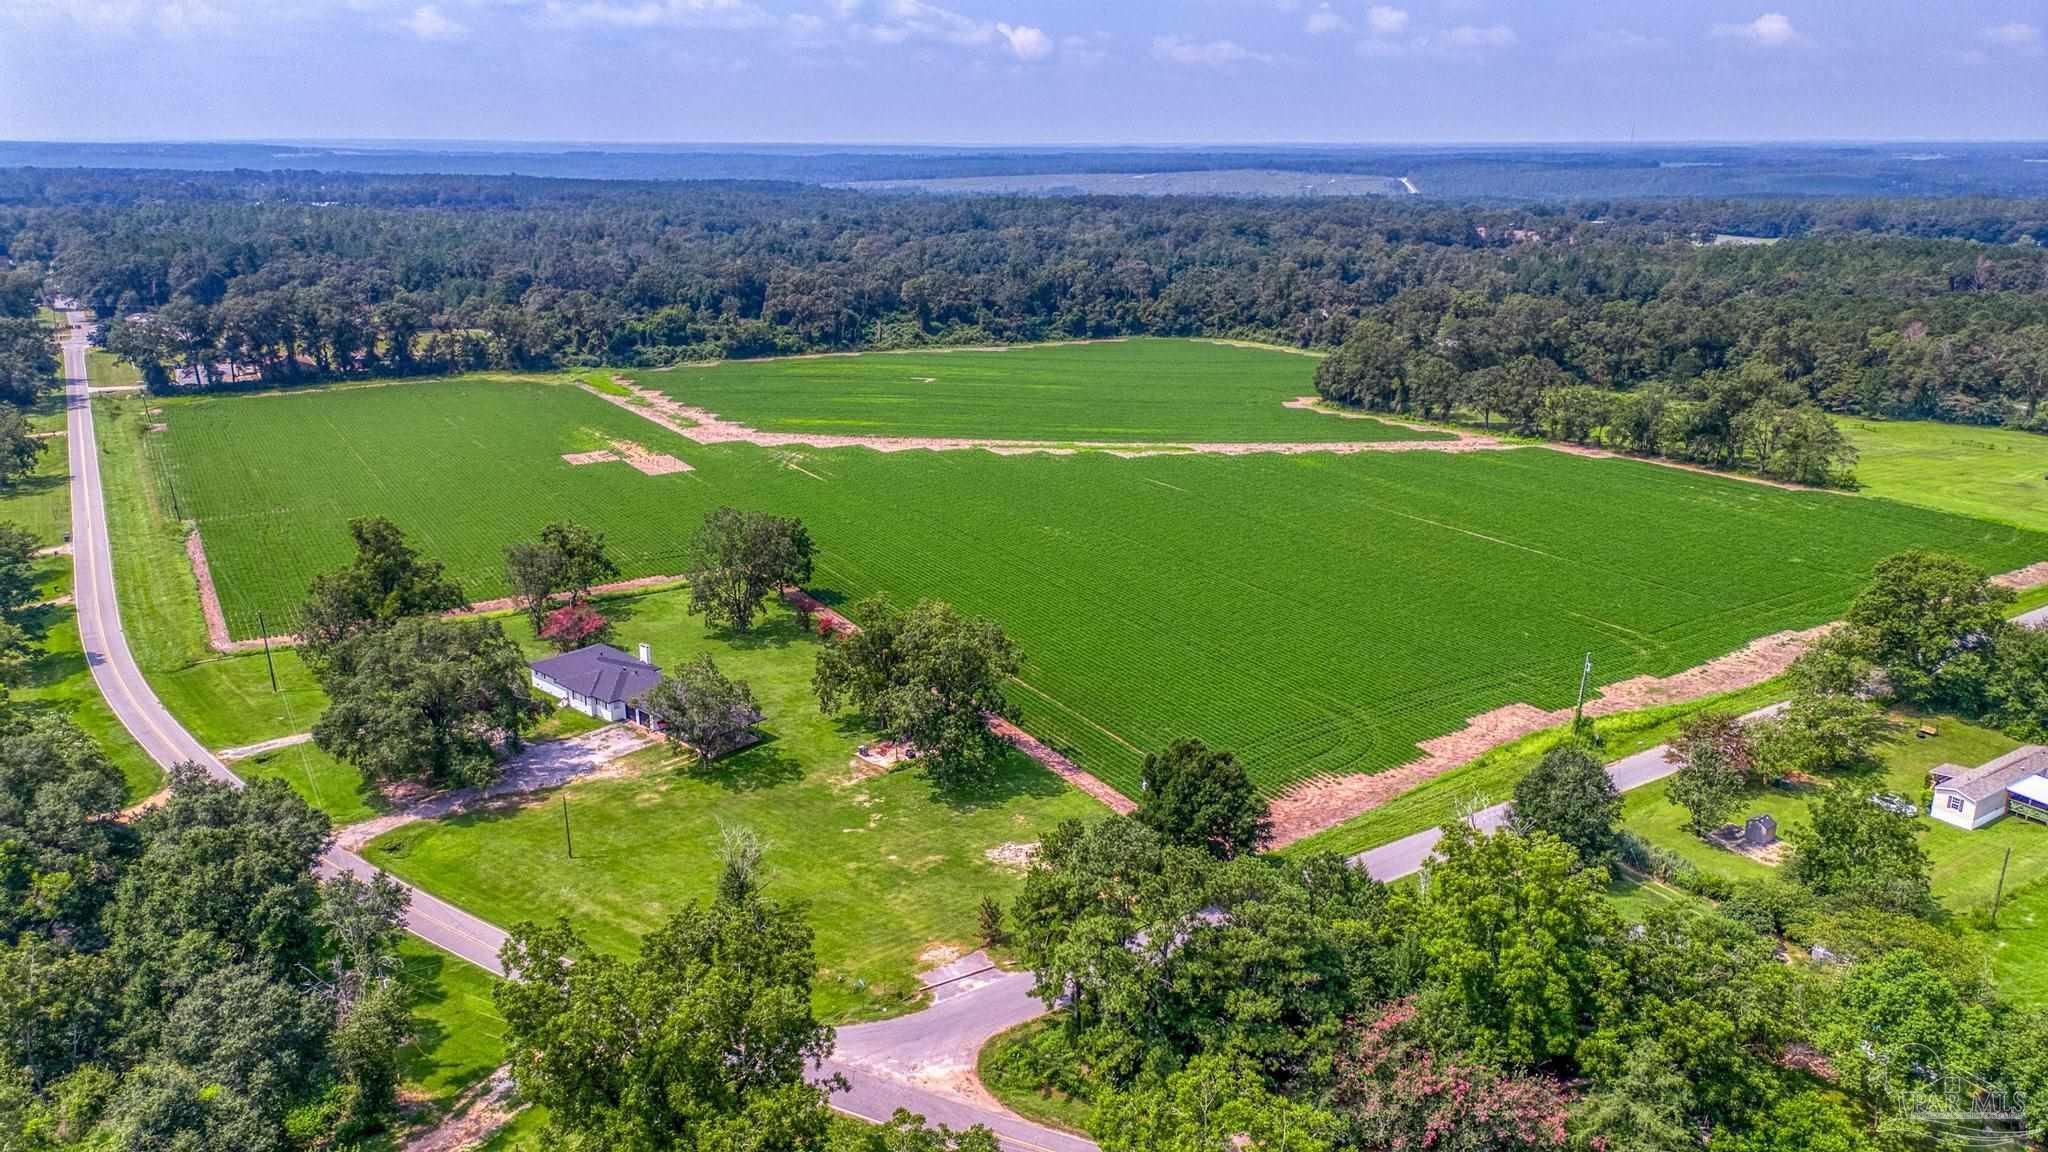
[{"x": 1933, "y": 309}]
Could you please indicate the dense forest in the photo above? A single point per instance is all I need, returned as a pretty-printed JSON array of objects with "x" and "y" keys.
[{"x": 1928, "y": 309}]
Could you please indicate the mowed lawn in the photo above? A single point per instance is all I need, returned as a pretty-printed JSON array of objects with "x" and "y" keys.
[
  {"x": 1315, "y": 613},
  {"x": 887, "y": 867},
  {"x": 1995, "y": 473},
  {"x": 1130, "y": 390},
  {"x": 1965, "y": 863}
]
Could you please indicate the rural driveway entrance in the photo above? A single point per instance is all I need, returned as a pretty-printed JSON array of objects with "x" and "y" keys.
[
  {"x": 1398, "y": 858},
  {"x": 925, "y": 1061},
  {"x": 541, "y": 766}
]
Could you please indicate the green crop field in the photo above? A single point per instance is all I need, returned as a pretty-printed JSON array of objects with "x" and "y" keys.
[
  {"x": 1995, "y": 473},
  {"x": 1135, "y": 390},
  {"x": 1316, "y": 613}
]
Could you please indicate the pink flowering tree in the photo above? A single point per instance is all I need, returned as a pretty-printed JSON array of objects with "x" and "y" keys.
[
  {"x": 1399, "y": 1094},
  {"x": 573, "y": 625}
]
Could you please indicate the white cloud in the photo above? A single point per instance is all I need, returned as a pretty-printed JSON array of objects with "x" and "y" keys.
[
  {"x": 1461, "y": 40},
  {"x": 1325, "y": 20},
  {"x": 427, "y": 23},
  {"x": 1770, "y": 30},
  {"x": 1470, "y": 37},
  {"x": 1205, "y": 53},
  {"x": 1386, "y": 21},
  {"x": 2018, "y": 36},
  {"x": 655, "y": 13},
  {"x": 1026, "y": 42}
]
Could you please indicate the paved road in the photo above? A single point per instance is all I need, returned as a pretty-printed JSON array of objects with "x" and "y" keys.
[
  {"x": 883, "y": 1062},
  {"x": 1405, "y": 856},
  {"x": 129, "y": 695},
  {"x": 925, "y": 1061},
  {"x": 2038, "y": 618}
]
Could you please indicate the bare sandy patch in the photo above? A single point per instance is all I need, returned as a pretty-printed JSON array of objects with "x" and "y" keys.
[
  {"x": 1014, "y": 856},
  {"x": 649, "y": 463},
  {"x": 477, "y": 1114},
  {"x": 2021, "y": 579},
  {"x": 578, "y": 459}
]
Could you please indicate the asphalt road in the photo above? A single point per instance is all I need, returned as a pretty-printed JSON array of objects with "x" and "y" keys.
[
  {"x": 1407, "y": 855},
  {"x": 2038, "y": 618},
  {"x": 925, "y": 1061},
  {"x": 883, "y": 1063},
  {"x": 130, "y": 696}
]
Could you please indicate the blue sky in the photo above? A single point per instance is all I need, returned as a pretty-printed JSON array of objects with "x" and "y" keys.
[{"x": 1024, "y": 71}]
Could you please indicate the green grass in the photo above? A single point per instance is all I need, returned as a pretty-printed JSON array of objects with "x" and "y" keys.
[
  {"x": 1019, "y": 1090},
  {"x": 2019, "y": 946},
  {"x": 886, "y": 866},
  {"x": 1168, "y": 391},
  {"x": 2031, "y": 599},
  {"x": 1491, "y": 778},
  {"x": 1314, "y": 613},
  {"x": 459, "y": 1038},
  {"x": 1965, "y": 863},
  {"x": 41, "y": 500},
  {"x": 225, "y": 701},
  {"x": 1635, "y": 897},
  {"x": 60, "y": 681},
  {"x": 107, "y": 370},
  {"x": 1993, "y": 473}
]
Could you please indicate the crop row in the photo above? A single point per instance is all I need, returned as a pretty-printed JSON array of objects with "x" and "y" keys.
[{"x": 1316, "y": 613}]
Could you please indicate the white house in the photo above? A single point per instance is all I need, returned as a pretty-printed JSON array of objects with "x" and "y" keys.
[
  {"x": 599, "y": 680},
  {"x": 1974, "y": 797}
]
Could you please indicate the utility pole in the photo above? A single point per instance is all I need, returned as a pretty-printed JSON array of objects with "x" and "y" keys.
[
  {"x": 265, "y": 630},
  {"x": 1579, "y": 709},
  {"x": 2000, "y": 894},
  {"x": 567, "y": 843}
]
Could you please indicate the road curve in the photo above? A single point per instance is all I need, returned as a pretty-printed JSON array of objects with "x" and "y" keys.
[
  {"x": 136, "y": 704},
  {"x": 879, "y": 1061}
]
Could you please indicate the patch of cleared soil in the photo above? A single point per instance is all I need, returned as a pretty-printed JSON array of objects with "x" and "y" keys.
[
  {"x": 1013, "y": 856},
  {"x": 649, "y": 463},
  {"x": 2019, "y": 580},
  {"x": 476, "y": 1116},
  {"x": 578, "y": 459}
]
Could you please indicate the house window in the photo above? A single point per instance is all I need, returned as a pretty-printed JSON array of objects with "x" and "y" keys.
[{"x": 1955, "y": 803}]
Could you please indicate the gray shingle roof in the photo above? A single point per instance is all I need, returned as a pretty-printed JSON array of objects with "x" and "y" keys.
[
  {"x": 600, "y": 672},
  {"x": 1992, "y": 778}
]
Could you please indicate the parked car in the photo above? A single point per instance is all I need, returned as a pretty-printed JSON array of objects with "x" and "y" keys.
[{"x": 1893, "y": 802}]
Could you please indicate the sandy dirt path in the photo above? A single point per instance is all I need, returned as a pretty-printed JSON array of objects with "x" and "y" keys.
[
  {"x": 1327, "y": 801},
  {"x": 539, "y": 767},
  {"x": 707, "y": 427},
  {"x": 1023, "y": 741}
]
